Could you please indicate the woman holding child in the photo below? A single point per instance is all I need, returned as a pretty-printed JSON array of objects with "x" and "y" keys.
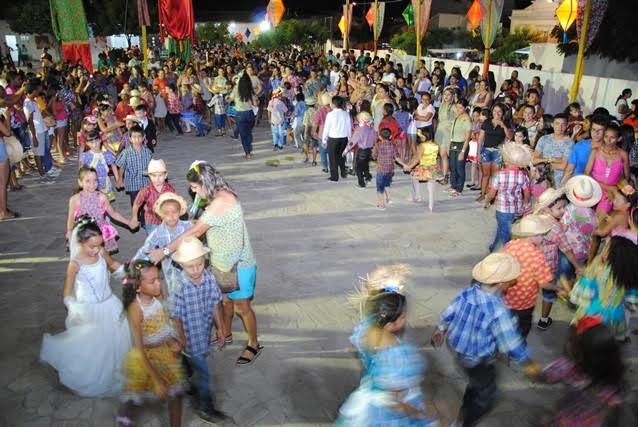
[{"x": 231, "y": 257}]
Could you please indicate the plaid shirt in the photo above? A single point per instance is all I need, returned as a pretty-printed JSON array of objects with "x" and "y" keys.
[
  {"x": 510, "y": 183},
  {"x": 147, "y": 197},
  {"x": 173, "y": 104},
  {"x": 555, "y": 240},
  {"x": 135, "y": 164},
  {"x": 384, "y": 153},
  {"x": 478, "y": 323},
  {"x": 194, "y": 305}
]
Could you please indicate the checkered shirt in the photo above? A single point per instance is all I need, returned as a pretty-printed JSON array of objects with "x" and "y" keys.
[
  {"x": 147, "y": 197},
  {"x": 194, "y": 305},
  {"x": 478, "y": 324},
  {"x": 384, "y": 152},
  {"x": 510, "y": 184},
  {"x": 555, "y": 240},
  {"x": 135, "y": 164}
]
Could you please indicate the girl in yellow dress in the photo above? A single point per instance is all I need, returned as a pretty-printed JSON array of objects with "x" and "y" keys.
[
  {"x": 153, "y": 368},
  {"x": 423, "y": 166}
]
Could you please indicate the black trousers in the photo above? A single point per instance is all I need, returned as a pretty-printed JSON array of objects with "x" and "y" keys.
[
  {"x": 336, "y": 160},
  {"x": 457, "y": 170},
  {"x": 524, "y": 318},
  {"x": 479, "y": 393},
  {"x": 172, "y": 121},
  {"x": 363, "y": 165}
]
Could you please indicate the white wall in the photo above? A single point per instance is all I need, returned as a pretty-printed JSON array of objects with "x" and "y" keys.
[{"x": 29, "y": 41}]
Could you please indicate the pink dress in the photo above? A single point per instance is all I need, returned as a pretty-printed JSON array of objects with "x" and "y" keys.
[
  {"x": 608, "y": 174},
  {"x": 90, "y": 205}
]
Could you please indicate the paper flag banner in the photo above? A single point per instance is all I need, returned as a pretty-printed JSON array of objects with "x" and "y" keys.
[{"x": 408, "y": 15}]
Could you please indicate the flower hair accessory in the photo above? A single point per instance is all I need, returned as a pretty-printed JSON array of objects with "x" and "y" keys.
[
  {"x": 588, "y": 322},
  {"x": 195, "y": 165},
  {"x": 384, "y": 279}
]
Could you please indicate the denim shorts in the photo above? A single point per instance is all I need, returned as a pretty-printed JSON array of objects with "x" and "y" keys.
[
  {"x": 383, "y": 182},
  {"x": 220, "y": 121},
  {"x": 491, "y": 155},
  {"x": 246, "y": 276},
  {"x": 3, "y": 152}
]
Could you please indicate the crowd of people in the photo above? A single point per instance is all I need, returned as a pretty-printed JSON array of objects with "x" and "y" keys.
[{"x": 563, "y": 188}]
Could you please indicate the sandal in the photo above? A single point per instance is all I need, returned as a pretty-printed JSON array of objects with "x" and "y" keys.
[
  {"x": 241, "y": 360},
  {"x": 228, "y": 339}
]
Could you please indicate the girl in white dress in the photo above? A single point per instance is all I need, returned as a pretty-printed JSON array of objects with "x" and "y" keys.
[{"x": 89, "y": 354}]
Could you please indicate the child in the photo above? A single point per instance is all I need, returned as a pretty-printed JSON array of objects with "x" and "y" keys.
[
  {"x": 219, "y": 108},
  {"x": 111, "y": 127},
  {"x": 521, "y": 136},
  {"x": 160, "y": 108},
  {"x": 197, "y": 304},
  {"x": 592, "y": 372},
  {"x": 89, "y": 123},
  {"x": 521, "y": 297},
  {"x": 148, "y": 195},
  {"x": 169, "y": 207},
  {"x": 132, "y": 163},
  {"x": 276, "y": 115},
  {"x": 37, "y": 127},
  {"x": 393, "y": 369},
  {"x": 152, "y": 367},
  {"x": 543, "y": 178},
  {"x": 100, "y": 161},
  {"x": 88, "y": 201},
  {"x": 309, "y": 141},
  {"x": 477, "y": 325},
  {"x": 129, "y": 122},
  {"x": 150, "y": 131},
  {"x": 384, "y": 153},
  {"x": 363, "y": 138},
  {"x": 477, "y": 121},
  {"x": 423, "y": 167},
  {"x": 297, "y": 119},
  {"x": 89, "y": 353},
  {"x": 510, "y": 188},
  {"x": 552, "y": 204}
]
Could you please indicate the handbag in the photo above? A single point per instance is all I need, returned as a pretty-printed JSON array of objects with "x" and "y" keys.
[{"x": 226, "y": 280}]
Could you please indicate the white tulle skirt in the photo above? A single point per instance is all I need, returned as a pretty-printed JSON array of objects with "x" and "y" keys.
[{"x": 89, "y": 354}]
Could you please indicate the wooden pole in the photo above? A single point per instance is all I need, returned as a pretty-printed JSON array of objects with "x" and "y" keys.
[
  {"x": 374, "y": 27},
  {"x": 144, "y": 47},
  {"x": 488, "y": 31},
  {"x": 345, "y": 26},
  {"x": 580, "y": 59},
  {"x": 417, "y": 31}
]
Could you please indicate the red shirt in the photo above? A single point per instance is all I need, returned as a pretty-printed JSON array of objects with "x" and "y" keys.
[
  {"x": 147, "y": 196},
  {"x": 534, "y": 273},
  {"x": 122, "y": 110},
  {"x": 392, "y": 124}
]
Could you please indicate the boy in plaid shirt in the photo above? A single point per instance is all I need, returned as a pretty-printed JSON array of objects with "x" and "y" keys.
[
  {"x": 510, "y": 191},
  {"x": 384, "y": 152}
]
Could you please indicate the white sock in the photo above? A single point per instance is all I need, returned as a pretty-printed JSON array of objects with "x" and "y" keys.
[{"x": 544, "y": 319}]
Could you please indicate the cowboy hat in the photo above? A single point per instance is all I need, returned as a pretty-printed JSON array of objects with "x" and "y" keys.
[
  {"x": 135, "y": 92},
  {"x": 531, "y": 225},
  {"x": 548, "y": 197},
  {"x": 124, "y": 92},
  {"x": 190, "y": 249},
  {"x": 134, "y": 101},
  {"x": 164, "y": 197},
  {"x": 277, "y": 92},
  {"x": 496, "y": 268},
  {"x": 517, "y": 154},
  {"x": 132, "y": 118},
  {"x": 156, "y": 166},
  {"x": 583, "y": 190}
]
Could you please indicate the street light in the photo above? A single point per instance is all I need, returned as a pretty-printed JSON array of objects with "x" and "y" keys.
[{"x": 264, "y": 25}]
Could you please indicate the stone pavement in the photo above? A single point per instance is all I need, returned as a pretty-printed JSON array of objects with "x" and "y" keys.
[{"x": 313, "y": 239}]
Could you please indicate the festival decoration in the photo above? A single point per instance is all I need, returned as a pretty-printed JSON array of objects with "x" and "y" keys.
[
  {"x": 596, "y": 15},
  {"x": 347, "y": 23},
  {"x": 422, "y": 20},
  {"x": 275, "y": 11},
  {"x": 566, "y": 14},
  {"x": 474, "y": 15},
  {"x": 247, "y": 32},
  {"x": 370, "y": 16},
  {"x": 177, "y": 21},
  {"x": 408, "y": 14},
  {"x": 378, "y": 22},
  {"x": 69, "y": 26},
  {"x": 142, "y": 13},
  {"x": 489, "y": 26}
]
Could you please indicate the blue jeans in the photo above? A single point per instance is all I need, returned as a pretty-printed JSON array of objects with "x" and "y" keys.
[
  {"x": 323, "y": 152},
  {"x": 278, "y": 135},
  {"x": 245, "y": 123},
  {"x": 22, "y": 134},
  {"x": 457, "y": 170},
  {"x": 503, "y": 229},
  {"x": 201, "y": 378},
  {"x": 202, "y": 127}
]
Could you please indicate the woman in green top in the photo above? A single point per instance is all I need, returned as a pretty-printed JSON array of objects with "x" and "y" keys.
[
  {"x": 244, "y": 97},
  {"x": 227, "y": 237},
  {"x": 445, "y": 118},
  {"x": 459, "y": 143}
]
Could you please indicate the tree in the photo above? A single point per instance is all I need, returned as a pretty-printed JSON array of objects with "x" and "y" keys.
[
  {"x": 436, "y": 39},
  {"x": 212, "y": 32},
  {"x": 30, "y": 17},
  {"x": 506, "y": 46},
  {"x": 117, "y": 17},
  {"x": 292, "y": 32}
]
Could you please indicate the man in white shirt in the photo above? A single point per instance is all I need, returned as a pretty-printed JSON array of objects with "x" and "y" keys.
[{"x": 336, "y": 132}]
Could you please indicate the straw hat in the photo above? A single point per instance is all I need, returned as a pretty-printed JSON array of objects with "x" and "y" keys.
[
  {"x": 190, "y": 249},
  {"x": 326, "y": 99},
  {"x": 156, "y": 166},
  {"x": 124, "y": 93},
  {"x": 548, "y": 197},
  {"x": 164, "y": 197},
  {"x": 132, "y": 118},
  {"x": 531, "y": 225},
  {"x": 583, "y": 190},
  {"x": 517, "y": 154},
  {"x": 135, "y": 92},
  {"x": 134, "y": 101},
  {"x": 277, "y": 92},
  {"x": 496, "y": 268}
]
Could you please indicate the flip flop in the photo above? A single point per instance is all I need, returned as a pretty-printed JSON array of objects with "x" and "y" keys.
[{"x": 241, "y": 360}]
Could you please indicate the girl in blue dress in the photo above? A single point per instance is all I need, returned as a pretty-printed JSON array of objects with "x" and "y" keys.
[{"x": 390, "y": 391}]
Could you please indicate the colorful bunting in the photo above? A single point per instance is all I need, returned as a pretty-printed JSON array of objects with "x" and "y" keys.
[
  {"x": 489, "y": 25},
  {"x": 597, "y": 11},
  {"x": 370, "y": 16},
  {"x": 247, "y": 33},
  {"x": 342, "y": 24},
  {"x": 474, "y": 15},
  {"x": 275, "y": 11},
  {"x": 408, "y": 15},
  {"x": 69, "y": 26},
  {"x": 426, "y": 8},
  {"x": 378, "y": 23},
  {"x": 142, "y": 13}
]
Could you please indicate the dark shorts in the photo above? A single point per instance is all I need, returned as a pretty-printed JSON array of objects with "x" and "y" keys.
[
  {"x": 383, "y": 182},
  {"x": 491, "y": 155},
  {"x": 311, "y": 142}
]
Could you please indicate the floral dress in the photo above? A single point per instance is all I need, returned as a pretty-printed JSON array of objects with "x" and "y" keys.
[
  {"x": 139, "y": 384},
  {"x": 113, "y": 138},
  {"x": 101, "y": 163},
  {"x": 91, "y": 205},
  {"x": 399, "y": 368}
]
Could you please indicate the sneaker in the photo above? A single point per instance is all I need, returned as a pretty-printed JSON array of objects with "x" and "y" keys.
[
  {"x": 361, "y": 187},
  {"x": 544, "y": 325},
  {"x": 54, "y": 172},
  {"x": 211, "y": 415}
]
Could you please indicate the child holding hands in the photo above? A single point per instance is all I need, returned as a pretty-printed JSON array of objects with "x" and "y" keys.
[{"x": 149, "y": 194}]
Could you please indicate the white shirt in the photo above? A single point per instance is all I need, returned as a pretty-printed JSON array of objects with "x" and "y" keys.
[
  {"x": 390, "y": 78},
  {"x": 30, "y": 108},
  {"x": 338, "y": 125},
  {"x": 423, "y": 111}
]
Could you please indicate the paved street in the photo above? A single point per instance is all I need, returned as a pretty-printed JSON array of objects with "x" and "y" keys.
[{"x": 312, "y": 239}]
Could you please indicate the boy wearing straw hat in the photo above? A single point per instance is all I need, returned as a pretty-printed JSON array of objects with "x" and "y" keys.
[
  {"x": 196, "y": 306},
  {"x": 551, "y": 204},
  {"x": 535, "y": 273},
  {"x": 510, "y": 191},
  {"x": 149, "y": 194},
  {"x": 477, "y": 325}
]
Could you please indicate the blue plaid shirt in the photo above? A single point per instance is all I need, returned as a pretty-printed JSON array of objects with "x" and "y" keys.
[
  {"x": 194, "y": 305},
  {"x": 159, "y": 238},
  {"x": 479, "y": 324},
  {"x": 135, "y": 165}
]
